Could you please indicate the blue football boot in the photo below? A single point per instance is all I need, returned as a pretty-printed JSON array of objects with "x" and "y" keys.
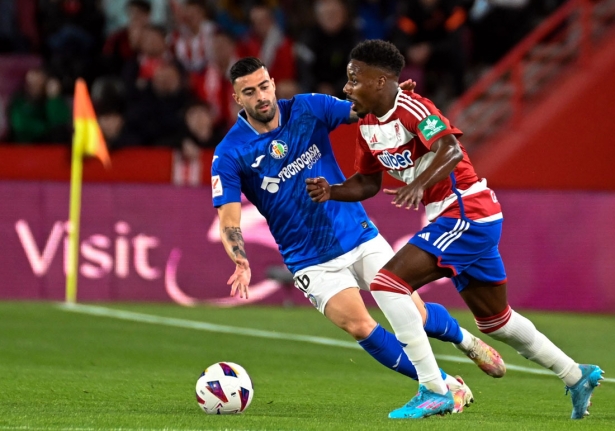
[
  {"x": 582, "y": 390},
  {"x": 425, "y": 403}
]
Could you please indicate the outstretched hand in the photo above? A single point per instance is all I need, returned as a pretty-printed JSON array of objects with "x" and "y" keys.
[
  {"x": 408, "y": 196},
  {"x": 408, "y": 85},
  {"x": 318, "y": 189},
  {"x": 240, "y": 280}
]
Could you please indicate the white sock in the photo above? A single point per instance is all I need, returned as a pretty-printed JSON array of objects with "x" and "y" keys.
[
  {"x": 451, "y": 382},
  {"x": 405, "y": 318},
  {"x": 522, "y": 335},
  {"x": 467, "y": 341}
]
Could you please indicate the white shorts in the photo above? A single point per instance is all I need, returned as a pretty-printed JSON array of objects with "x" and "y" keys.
[{"x": 357, "y": 268}]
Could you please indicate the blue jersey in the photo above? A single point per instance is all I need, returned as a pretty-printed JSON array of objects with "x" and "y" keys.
[{"x": 271, "y": 168}]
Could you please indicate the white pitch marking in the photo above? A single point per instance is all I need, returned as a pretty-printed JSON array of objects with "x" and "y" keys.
[
  {"x": 29, "y": 428},
  {"x": 235, "y": 330}
]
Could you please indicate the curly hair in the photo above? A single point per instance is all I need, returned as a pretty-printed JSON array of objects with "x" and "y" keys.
[{"x": 379, "y": 53}]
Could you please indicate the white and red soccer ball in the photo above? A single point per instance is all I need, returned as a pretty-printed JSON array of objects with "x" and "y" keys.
[{"x": 224, "y": 388}]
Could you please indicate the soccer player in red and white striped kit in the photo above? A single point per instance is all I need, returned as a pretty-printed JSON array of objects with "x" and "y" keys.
[{"x": 406, "y": 135}]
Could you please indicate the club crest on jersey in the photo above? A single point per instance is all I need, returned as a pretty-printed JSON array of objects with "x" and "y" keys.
[
  {"x": 313, "y": 300},
  {"x": 278, "y": 149}
]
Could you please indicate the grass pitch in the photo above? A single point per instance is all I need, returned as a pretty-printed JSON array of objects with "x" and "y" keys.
[{"x": 74, "y": 371}]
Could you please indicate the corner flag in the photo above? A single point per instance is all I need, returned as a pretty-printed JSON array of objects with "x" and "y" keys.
[{"x": 87, "y": 140}]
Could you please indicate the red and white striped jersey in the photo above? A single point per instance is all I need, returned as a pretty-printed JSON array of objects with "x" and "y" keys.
[
  {"x": 400, "y": 142},
  {"x": 194, "y": 51}
]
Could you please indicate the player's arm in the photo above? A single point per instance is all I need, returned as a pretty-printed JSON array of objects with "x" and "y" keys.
[
  {"x": 232, "y": 239},
  {"x": 448, "y": 155},
  {"x": 356, "y": 188}
]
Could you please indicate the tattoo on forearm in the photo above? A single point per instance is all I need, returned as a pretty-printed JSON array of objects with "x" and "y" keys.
[{"x": 235, "y": 238}]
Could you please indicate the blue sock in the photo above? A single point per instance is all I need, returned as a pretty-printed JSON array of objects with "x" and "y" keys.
[
  {"x": 441, "y": 325},
  {"x": 384, "y": 347}
]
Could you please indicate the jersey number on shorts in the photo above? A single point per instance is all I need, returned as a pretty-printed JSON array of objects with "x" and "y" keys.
[{"x": 302, "y": 282}]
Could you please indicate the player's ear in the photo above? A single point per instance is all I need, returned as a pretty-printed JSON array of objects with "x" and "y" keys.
[
  {"x": 237, "y": 100},
  {"x": 382, "y": 80},
  {"x": 273, "y": 84}
]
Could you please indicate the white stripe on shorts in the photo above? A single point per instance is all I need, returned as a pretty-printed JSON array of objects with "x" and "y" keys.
[
  {"x": 464, "y": 227},
  {"x": 447, "y": 234}
]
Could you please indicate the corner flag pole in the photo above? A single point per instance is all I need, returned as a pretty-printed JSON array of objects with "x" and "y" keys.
[
  {"x": 87, "y": 140},
  {"x": 76, "y": 171}
]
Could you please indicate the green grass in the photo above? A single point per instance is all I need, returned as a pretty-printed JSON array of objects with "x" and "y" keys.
[{"x": 67, "y": 371}]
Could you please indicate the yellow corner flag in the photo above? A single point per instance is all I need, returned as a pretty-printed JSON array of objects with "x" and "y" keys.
[{"x": 87, "y": 140}]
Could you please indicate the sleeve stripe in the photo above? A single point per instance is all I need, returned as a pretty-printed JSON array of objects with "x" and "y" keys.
[
  {"x": 416, "y": 103},
  {"x": 419, "y": 115}
]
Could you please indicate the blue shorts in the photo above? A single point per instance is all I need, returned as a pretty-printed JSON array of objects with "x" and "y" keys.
[{"x": 468, "y": 248}]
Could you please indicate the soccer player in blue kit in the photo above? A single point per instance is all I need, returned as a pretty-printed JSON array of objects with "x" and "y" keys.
[
  {"x": 330, "y": 248},
  {"x": 407, "y": 136}
]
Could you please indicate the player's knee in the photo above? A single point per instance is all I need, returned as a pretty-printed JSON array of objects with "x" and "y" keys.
[{"x": 359, "y": 328}]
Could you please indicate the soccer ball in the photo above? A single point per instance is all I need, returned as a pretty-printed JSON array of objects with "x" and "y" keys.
[{"x": 224, "y": 388}]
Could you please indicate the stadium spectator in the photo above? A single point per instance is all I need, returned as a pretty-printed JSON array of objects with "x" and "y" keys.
[
  {"x": 193, "y": 41},
  {"x": 39, "y": 113},
  {"x": 73, "y": 35},
  {"x": 200, "y": 130},
  {"x": 497, "y": 26},
  {"x": 267, "y": 41},
  {"x": 112, "y": 127},
  {"x": 376, "y": 18},
  {"x": 213, "y": 86},
  {"x": 431, "y": 35},
  {"x": 108, "y": 94},
  {"x": 152, "y": 54},
  {"x": 233, "y": 15},
  {"x": 325, "y": 48},
  {"x": 156, "y": 115},
  {"x": 116, "y": 17},
  {"x": 18, "y": 32},
  {"x": 123, "y": 44}
]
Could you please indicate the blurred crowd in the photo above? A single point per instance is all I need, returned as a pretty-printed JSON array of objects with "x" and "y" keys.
[{"x": 158, "y": 69}]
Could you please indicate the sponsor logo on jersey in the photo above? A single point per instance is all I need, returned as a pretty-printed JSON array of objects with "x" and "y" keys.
[
  {"x": 257, "y": 162},
  {"x": 270, "y": 184},
  {"x": 278, "y": 149},
  {"x": 305, "y": 160},
  {"x": 216, "y": 186},
  {"x": 396, "y": 161},
  {"x": 431, "y": 126},
  {"x": 373, "y": 140}
]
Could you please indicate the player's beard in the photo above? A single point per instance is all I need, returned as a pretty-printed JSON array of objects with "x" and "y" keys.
[{"x": 264, "y": 117}]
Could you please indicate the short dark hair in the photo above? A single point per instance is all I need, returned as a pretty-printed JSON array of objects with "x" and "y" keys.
[
  {"x": 244, "y": 67},
  {"x": 201, "y": 4},
  {"x": 379, "y": 53},
  {"x": 142, "y": 5}
]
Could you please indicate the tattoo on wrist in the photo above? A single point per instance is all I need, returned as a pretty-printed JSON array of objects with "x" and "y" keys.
[
  {"x": 239, "y": 252},
  {"x": 235, "y": 239}
]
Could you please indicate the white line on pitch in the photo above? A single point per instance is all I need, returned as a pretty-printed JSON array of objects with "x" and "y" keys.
[
  {"x": 29, "y": 428},
  {"x": 235, "y": 330}
]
